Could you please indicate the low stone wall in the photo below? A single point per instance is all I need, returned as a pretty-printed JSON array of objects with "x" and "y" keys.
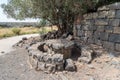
[{"x": 102, "y": 28}]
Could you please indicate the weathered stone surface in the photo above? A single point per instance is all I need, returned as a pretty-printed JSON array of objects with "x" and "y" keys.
[
  {"x": 88, "y": 33},
  {"x": 96, "y": 35},
  {"x": 24, "y": 38},
  {"x": 95, "y": 15},
  {"x": 90, "y": 40},
  {"x": 114, "y": 6},
  {"x": 85, "y": 27},
  {"x": 86, "y": 55},
  {"x": 114, "y": 38},
  {"x": 57, "y": 59},
  {"x": 116, "y": 30},
  {"x": 108, "y": 45},
  {"x": 97, "y": 41},
  {"x": 103, "y": 8},
  {"x": 88, "y": 16},
  {"x": 104, "y": 36},
  {"x": 69, "y": 65},
  {"x": 114, "y": 22},
  {"x": 109, "y": 29},
  {"x": 103, "y": 14},
  {"x": 78, "y": 27},
  {"x": 117, "y": 14},
  {"x": 69, "y": 38},
  {"x": 117, "y": 47},
  {"x": 100, "y": 28},
  {"x": 101, "y": 22},
  {"x": 89, "y": 22},
  {"x": 80, "y": 33},
  {"x": 111, "y": 14}
]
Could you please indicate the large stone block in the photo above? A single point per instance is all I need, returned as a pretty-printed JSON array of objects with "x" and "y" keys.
[
  {"x": 108, "y": 29},
  {"x": 95, "y": 15},
  {"x": 88, "y": 16},
  {"x": 117, "y": 47},
  {"x": 80, "y": 33},
  {"x": 114, "y": 22},
  {"x": 89, "y": 22},
  {"x": 90, "y": 40},
  {"x": 69, "y": 65},
  {"x": 102, "y": 14},
  {"x": 117, "y": 30},
  {"x": 117, "y": 14},
  {"x": 98, "y": 42},
  {"x": 100, "y": 28},
  {"x": 78, "y": 27},
  {"x": 104, "y": 36},
  {"x": 114, "y": 6},
  {"x": 103, "y": 8},
  {"x": 108, "y": 45},
  {"x": 101, "y": 22},
  {"x": 88, "y": 33},
  {"x": 92, "y": 28},
  {"x": 111, "y": 14},
  {"x": 96, "y": 35},
  {"x": 114, "y": 38},
  {"x": 85, "y": 27}
]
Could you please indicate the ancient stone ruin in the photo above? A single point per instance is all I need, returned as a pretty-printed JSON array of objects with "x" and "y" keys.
[
  {"x": 98, "y": 30},
  {"x": 102, "y": 28},
  {"x": 52, "y": 55}
]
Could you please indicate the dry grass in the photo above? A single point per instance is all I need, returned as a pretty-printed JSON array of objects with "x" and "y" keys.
[{"x": 8, "y": 32}]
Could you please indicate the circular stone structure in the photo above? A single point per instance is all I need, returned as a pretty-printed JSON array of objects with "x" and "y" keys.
[{"x": 50, "y": 55}]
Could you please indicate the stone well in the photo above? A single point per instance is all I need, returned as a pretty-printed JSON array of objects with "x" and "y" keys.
[{"x": 51, "y": 55}]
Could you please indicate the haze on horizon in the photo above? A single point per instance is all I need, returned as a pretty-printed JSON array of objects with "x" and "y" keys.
[{"x": 4, "y": 18}]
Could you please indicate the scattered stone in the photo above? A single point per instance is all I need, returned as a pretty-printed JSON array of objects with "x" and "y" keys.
[
  {"x": 2, "y": 52},
  {"x": 24, "y": 38},
  {"x": 70, "y": 37},
  {"x": 69, "y": 65},
  {"x": 86, "y": 55}
]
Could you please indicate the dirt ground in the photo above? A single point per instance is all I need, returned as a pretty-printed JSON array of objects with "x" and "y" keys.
[{"x": 14, "y": 66}]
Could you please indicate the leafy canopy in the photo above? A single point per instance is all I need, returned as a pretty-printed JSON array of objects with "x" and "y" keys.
[{"x": 59, "y": 12}]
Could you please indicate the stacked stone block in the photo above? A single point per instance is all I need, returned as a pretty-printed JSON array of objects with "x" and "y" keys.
[{"x": 102, "y": 27}]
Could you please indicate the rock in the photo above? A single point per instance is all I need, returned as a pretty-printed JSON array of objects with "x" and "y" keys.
[
  {"x": 57, "y": 59},
  {"x": 70, "y": 37},
  {"x": 86, "y": 55},
  {"x": 69, "y": 65},
  {"x": 50, "y": 68},
  {"x": 64, "y": 35},
  {"x": 24, "y": 38},
  {"x": 40, "y": 66},
  {"x": 2, "y": 52}
]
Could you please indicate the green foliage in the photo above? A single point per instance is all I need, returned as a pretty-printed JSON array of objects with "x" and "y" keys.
[
  {"x": 6, "y": 35},
  {"x": 62, "y": 13},
  {"x": 43, "y": 30},
  {"x": 43, "y": 23},
  {"x": 16, "y": 31}
]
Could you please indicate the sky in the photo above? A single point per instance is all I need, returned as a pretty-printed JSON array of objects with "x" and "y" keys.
[{"x": 4, "y": 18}]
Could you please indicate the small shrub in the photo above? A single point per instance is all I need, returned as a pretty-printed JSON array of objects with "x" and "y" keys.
[
  {"x": 6, "y": 35},
  {"x": 16, "y": 31}
]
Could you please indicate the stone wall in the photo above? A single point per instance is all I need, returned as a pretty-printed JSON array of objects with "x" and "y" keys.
[{"x": 102, "y": 27}]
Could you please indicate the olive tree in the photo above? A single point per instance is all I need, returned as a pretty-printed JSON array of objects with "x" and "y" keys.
[{"x": 62, "y": 13}]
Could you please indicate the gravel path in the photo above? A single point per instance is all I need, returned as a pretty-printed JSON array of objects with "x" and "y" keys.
[
  {"x": 6, "y": 44},
  {"x": 13, "y": 66}
]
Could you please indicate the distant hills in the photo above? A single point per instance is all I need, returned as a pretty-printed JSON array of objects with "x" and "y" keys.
[{"x": 19, "y": 24}]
